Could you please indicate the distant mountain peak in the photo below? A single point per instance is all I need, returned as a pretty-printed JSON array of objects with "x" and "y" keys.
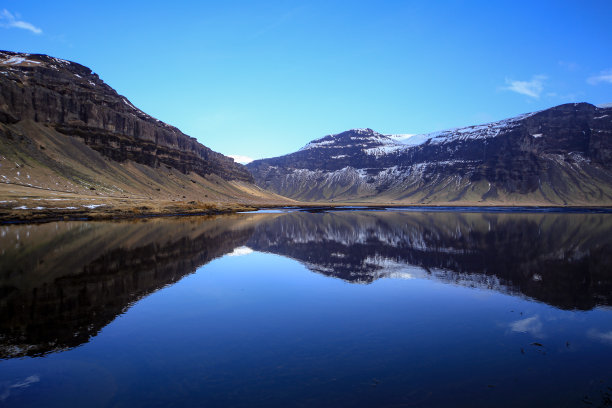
[
  {"x": 364, "y": 138},
  {"x": 362, "y": 131},
  {"x": 561, "y": 155}
]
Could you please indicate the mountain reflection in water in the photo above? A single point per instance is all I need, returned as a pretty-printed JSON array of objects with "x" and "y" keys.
[{"x": 61, "y": 283}]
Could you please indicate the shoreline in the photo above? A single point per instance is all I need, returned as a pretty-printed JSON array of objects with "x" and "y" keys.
[
  {"x": 110, "y": 213},
  {"x": 25, "y": 204}
]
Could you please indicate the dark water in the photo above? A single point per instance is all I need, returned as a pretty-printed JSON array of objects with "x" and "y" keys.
[{"x": 340, "y": 309}]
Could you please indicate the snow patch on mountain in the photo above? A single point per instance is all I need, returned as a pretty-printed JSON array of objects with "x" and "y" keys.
[
  {"x": 14, "y": 60},
  {"x": 485, "y": 131},
  {"x": 384, "y": 150},
  {"x": 357, "y": 137},
  {"x": 410, "y": 139},
  {"x": 318, "y": 143},
  {"x": 377, "y": 144}
]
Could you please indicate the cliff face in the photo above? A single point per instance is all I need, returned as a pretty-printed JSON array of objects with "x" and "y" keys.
[
  {"x": 69, "y": 98},
  {"x": 561, "y": 155}
]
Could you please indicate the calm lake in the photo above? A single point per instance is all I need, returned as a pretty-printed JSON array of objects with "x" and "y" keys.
[{"x": 329, "y": 309}]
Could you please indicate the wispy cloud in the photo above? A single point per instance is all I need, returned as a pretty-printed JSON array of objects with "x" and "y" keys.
[
  {"x": 605, "y": 337},
  {"x": 6, "y": 392},
  {"x": 532, "y": 325},
  {"x": 531, "y": 88},
  {"x": 570, "y": 66},
  {"x": 604, "y": 76},
  {"x": 241, "y": 159},
  {"x": 9, "y": 20}
]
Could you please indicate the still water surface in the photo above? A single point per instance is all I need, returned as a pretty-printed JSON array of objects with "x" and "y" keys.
[{"x": 332, "y": 309}]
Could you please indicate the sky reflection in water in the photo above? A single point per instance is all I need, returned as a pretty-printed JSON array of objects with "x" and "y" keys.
[{"x": 329, "y": 309}]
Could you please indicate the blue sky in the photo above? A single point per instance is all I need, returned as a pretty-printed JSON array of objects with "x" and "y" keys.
[{"x": 262, "y": 79}]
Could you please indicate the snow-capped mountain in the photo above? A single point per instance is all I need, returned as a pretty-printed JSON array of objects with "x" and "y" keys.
[{"x": 562, "y": 155}]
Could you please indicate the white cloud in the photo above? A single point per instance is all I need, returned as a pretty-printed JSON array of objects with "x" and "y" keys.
[
  {"x": 531, "y": 88},
  {"x": 241, "y": 159},
  {"x": 18, "y": 385},
  {"x": 8, "y": 20},
  {"x": 531, "y": 325},
  {"x": 604, "y": 76},
  {"x": 605, "y": 337}
]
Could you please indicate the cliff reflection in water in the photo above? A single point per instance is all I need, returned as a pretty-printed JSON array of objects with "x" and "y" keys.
[
  {"x": 61, "y": 283},
  {"x": 564, "y": 260}
]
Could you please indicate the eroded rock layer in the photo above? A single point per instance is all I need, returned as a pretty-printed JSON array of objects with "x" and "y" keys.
[{"x": 73, "y": 100}]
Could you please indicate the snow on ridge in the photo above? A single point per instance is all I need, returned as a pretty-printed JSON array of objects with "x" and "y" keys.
[
  {"x": 22, "y": 59},
  {"x": 15, "y": 60},
  {"x": 484, "y": 131},
  {"x": 384, "y": 150},
  {"x": 401, "y": 136},
  {"x": 317, "y": 143},
  {"x": 397, "y": 142},
  {"x": 358, "y": 135},
  {"x": 410, "y": 139},
  {"x": 60, "y": 61},
  {"x": 361, "y": 131}
]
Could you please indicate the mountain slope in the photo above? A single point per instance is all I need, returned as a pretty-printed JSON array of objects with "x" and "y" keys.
[
  {"x": 560, "y": 156},
  {"x": 63, "y": 129}
]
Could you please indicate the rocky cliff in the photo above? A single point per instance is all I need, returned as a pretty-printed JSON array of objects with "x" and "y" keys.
[
  {"x": 74, "y": 101},
  {"x": 561, "y": 156}
]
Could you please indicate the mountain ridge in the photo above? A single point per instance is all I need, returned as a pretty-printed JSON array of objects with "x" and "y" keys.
[
  {"x": 557, "y": 156},
  {"x": 66, "y": 137},
  {"x": 76, "y": 102}
]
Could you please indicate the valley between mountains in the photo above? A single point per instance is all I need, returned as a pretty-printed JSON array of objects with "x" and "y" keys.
[{"x": 71, "y": 146}]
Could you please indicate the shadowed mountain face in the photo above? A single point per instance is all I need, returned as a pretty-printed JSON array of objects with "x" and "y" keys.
[
  {"x": 61, "y": 283},
  {"x": 74, "y": 101},
  {"x": 63, "y": 128},
  {"x": 562, "y": 155}
]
